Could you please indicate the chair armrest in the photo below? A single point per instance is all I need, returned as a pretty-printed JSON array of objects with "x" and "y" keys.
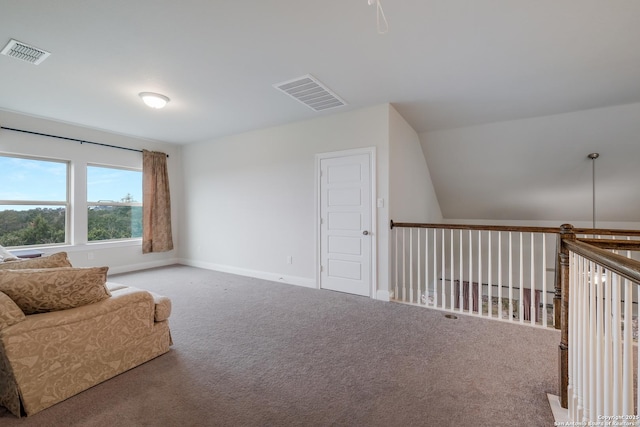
[{"x": 10, "y": 313}]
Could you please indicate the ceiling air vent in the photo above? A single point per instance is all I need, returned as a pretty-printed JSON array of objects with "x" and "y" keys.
[
  {"x": 25, "y": 52},
  {"x": 311, "y": 93}
]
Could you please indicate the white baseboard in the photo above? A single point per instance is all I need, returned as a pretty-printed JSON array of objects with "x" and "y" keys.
[
  {"x": 143, "y": 266},
  {"x": 273, "y": 277},
  {"x": 383, "y": 295},
  {"x": 560, "y": 414}
]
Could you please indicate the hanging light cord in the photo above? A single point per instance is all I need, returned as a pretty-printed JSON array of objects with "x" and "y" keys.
[
  {"x": 593, "y": 157},
  {"x": 381, "y": 19}
]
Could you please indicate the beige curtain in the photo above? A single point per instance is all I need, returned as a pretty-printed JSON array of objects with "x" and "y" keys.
[{"x": 156, "y": 205}]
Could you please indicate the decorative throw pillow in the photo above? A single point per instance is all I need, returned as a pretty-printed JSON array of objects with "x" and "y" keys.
[
  {"x": 10, "y": 313},
  {"x": 5, "y": 255},
  {"x": 58, "y": 259},
  {"x": 53, "y": 289}
]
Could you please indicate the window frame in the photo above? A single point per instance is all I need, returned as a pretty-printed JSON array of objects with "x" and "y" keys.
[
  {"x": 66, "y": 204},
  {"x": 109, "y": 202}
]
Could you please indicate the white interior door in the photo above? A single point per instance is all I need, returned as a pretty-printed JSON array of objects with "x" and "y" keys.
[{"x": 345, "y": 224}]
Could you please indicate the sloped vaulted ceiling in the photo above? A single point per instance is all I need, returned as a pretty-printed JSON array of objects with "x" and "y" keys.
[{"x": 443, "y": 65}]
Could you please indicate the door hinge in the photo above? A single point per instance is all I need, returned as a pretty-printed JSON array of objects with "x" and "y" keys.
[{"x": 321, "y": 269}]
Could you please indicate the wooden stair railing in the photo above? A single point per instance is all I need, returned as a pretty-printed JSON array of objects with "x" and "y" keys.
[
  {"x": 499, "y": 228},
  {"x": 594, "y": 249},
  {"x": 597, "y": 251}
]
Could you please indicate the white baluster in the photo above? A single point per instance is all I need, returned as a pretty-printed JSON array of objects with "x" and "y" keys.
[
  {"x": 599, "y": 289},
  {"x": 489, "y": 277},
  {"x": 584, "y": 334},
  {"x": 571, "y": 388},
  {"x": 499, "y": 274},
  {"x": 426, "y": 266},
  {"x": 480, "y": 272},
  {"x": 638, "y": 364},
  {"x": 608, "y": 348},
  {"x": 627, "y": 358},
  {"x": 510, "y": 277},
  {"x": 419, "y": 283},
  {"x": 573, "y": 327},
  {"x": 544, "y": 280},
  {"x": 592, "y": 342},
  {"x": 411, "y": 265},
  {"x": 396, "y": 294},
  {"x": 617, "y": 345},
  {"x": 521, "y": 280},
  {"x": 442, "y": 255},
  {"x": 460, "y": 293},
  {"x": 404, "y": 267},
  {"x": 532, "y": 309},
  {"x": 452, "y": 282},
  {"x": 582, "y": 341},
  {"x": 435, "y": 269},
  {"x": 470, "y": 292}
]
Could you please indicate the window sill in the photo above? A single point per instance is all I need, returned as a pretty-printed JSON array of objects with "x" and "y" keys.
[
  {"x": 27, "y": 253},
  {"x": 84, "y": 247},
  {"x": 114, "y": 243}
]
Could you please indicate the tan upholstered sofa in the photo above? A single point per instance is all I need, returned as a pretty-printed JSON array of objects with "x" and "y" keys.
[{"x": 51, "y": 355}]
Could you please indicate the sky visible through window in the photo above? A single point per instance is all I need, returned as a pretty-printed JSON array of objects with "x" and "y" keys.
[
  {"x": 108, "y": 184},
  {"x": 28, "y": 179}
]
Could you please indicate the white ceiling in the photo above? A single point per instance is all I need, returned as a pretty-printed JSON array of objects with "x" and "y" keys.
[{"x": 443, "y": 64}]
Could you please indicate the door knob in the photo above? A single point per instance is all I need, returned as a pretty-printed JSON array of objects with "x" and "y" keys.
[{"x": 365, "y": 232}]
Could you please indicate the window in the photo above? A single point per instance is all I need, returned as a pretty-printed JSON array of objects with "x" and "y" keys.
[
  {"x": 34, "y": 201},
  {"x": 114, "y": 201}
]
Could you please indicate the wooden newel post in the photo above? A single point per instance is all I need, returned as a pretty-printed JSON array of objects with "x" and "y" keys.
[
  {"x": 566, "y": 233},
  {"x": 557, "y": 296}
]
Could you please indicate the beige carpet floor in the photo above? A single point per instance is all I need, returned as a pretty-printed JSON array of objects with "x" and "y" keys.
[{"x": 249, "y": 352}]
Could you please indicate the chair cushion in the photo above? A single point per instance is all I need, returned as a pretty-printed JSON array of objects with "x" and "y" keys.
[
  {"x": 58, "y": 259},
  {"x": 53, "y": 289}
]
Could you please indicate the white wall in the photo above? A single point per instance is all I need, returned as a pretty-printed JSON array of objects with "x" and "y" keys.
[
  {"x": 411, "y": 192},
  {"x": 537, "y": 169},
  {"x": 250, "y": 198},
  {"x": 119, "y": 256},
  {"x": 412, "y": 197}
]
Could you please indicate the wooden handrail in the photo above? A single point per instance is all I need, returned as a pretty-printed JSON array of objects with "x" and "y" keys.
[
  {"x": 607, "y": 232},
  {"x": 615, "y": 244},
  {"x": 477, "y": 227},
  {"x": 524, "y": 229},
  {"x": 621, "y": 265}
]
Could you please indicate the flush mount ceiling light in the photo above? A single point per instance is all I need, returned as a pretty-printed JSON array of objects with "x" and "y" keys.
[{"x": 154, "y": 100}]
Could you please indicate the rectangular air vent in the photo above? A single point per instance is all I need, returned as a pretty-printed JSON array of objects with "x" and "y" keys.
[
  {"x": 25, "y": 52},
  {"x": 311, "y": 93}
]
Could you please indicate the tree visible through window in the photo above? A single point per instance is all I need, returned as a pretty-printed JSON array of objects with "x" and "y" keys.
[
  {"x": 33, "y": 201},
  {"x": 114, "y": 201}
]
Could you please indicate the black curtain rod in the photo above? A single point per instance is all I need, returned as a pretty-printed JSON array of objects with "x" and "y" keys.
[{"x": 81, "y": 141}]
